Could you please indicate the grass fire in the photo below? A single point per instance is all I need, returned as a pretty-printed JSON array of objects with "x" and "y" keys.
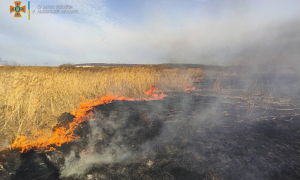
[
  {"x": 31, "y": 94},
  {"x": 66, "y": 134},
  {"x": 204, "y": 123}
]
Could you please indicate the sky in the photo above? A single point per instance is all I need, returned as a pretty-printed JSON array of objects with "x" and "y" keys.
[{"x": 214, "y": 32}]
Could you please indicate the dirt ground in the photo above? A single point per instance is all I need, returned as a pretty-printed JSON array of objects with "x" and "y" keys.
[{"x": 219, "y": 131}]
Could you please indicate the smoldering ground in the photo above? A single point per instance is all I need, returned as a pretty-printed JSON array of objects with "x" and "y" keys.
[
  {"x": 115, "y": 136},
  {"x": 188, "y": 136}
]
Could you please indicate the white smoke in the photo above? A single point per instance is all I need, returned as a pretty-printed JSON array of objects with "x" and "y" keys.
[{"x": 113, "y": 153}]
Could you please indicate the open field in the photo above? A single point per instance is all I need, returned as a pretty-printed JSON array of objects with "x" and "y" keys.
[
  {"x": 231, "y": 125},
  {"x": 32, "y": 98}
]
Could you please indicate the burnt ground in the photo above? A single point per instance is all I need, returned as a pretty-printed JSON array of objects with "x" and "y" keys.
[{"x": 230, "y": 133}]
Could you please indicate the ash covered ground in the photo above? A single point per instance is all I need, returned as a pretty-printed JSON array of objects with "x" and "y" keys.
[{"x": 226, "y": 130}]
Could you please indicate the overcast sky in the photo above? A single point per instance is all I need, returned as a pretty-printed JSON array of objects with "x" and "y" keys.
[{"x": 146, "y": 32}]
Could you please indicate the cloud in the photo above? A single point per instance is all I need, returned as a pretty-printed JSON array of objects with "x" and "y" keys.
[{"x": 209, "y": 32}]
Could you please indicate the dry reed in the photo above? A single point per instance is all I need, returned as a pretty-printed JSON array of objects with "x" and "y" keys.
[{"x": 34, "y": 97}]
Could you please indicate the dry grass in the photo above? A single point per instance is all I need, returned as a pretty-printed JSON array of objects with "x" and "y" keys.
[{"x": 34, "y": 97}]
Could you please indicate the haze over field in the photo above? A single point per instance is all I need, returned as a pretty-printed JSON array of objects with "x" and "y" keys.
[{"x": 218, "y": 32}]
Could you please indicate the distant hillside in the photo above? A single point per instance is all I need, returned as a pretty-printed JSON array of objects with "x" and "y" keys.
[
  {"x": 164, "y": 65},
  {"x": 106, "y": 64}
]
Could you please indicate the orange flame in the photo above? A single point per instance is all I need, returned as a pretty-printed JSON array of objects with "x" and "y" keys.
[
  {"x": 192, "y": 88},
  {"x": 188, "y": 90},
  {"x": 61, "y": 135},
  {"x": 150, "y": 91},
  {"x": 198, "y": 79}
]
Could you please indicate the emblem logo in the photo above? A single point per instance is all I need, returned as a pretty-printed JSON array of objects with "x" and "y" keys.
[{"x": 17, "y": 9}]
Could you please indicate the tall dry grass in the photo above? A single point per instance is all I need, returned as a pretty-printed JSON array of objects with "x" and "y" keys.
[{"x": 32, "y": 98}]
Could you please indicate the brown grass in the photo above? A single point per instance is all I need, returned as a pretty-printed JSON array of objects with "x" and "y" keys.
[{"x": 34, "y": 97}]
